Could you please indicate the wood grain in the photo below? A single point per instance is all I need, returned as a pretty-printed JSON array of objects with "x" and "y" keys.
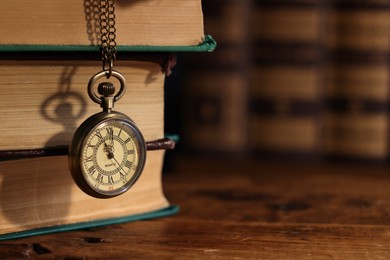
[{"x": 244, "y": 209}]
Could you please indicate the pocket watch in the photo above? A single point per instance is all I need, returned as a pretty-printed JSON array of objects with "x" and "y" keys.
[{"x": 108, "y": 151}]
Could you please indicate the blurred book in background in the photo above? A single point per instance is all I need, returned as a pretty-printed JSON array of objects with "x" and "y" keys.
[
  {"x": 286, "y": 77},
  {"x": 357, "y": 87},
  {"x": 215, "y": 86}
]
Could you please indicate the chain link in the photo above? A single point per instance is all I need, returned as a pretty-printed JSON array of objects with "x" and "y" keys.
[{"x": 108, "y": 34}]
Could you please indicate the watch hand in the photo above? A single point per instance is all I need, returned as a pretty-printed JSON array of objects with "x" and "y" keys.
[
  {"x": 108, "y": 149},
  {"x": 120, "y": 167},
  {"x": 110, "y": 135}
]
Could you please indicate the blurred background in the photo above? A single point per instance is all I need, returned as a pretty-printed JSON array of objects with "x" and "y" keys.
[{"x": 296, "y": 79}]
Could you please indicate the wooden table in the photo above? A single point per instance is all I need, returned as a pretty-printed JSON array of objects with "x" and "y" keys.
[{"x": 243, "y": 208}]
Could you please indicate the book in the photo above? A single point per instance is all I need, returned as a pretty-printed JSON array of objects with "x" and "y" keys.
[
  {"x": 286, "y": 78},
  {"x": 44, "y": 102},
  {"x": 356, "y": 122},
  {"x": 73, "y": 22},
  {"x": 215, "y": 87},
  {"x": 39, "y": 196}
]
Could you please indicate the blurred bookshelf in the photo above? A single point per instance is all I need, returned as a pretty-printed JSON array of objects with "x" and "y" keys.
[{"x": 297, "y": 79}]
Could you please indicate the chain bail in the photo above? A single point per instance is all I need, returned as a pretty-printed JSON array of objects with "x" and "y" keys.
[
  {"x": 107, "y": 89},
  {"x": 108, "y": 68}
]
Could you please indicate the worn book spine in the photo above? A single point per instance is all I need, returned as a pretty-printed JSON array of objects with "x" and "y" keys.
[
  {"x": 215, "y": 92},
  {"x": 287, "y": 77},
  {"x": 357, "y": 88}
]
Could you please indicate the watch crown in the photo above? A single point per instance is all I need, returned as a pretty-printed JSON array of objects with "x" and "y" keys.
[{"x": 106, "y": 89}]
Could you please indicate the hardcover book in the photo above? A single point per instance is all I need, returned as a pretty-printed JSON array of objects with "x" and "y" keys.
[{"x": 42, "y": 111}]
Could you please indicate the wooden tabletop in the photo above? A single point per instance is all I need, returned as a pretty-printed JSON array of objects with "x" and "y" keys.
[{"x": 244, "y": 209}]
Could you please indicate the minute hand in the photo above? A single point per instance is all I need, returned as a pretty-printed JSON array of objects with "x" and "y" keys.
[{"x": 120, "y": 167}]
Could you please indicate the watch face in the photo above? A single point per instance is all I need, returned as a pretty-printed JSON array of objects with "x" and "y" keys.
[{"x": 111, "y": 157}]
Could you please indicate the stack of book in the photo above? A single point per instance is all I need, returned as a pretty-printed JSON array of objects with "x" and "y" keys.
[{"x": 49, "y": 52}]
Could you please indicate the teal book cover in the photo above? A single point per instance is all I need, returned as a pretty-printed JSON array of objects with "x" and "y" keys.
[{"x": 208, "y": 45}]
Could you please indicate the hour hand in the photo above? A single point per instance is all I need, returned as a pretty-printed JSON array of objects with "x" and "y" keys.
[
  {"x": 109, "y": 151},
  {"x": 110, "y": 155}
]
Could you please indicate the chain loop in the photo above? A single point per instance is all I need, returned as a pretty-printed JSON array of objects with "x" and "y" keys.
[{"x": 108, "y": 34}]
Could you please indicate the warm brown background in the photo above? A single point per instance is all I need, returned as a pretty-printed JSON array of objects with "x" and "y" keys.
[{"x": 307, "y": 78}]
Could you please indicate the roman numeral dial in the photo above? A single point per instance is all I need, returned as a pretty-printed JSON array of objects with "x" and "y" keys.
[{"x": 111, "y": 157}]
